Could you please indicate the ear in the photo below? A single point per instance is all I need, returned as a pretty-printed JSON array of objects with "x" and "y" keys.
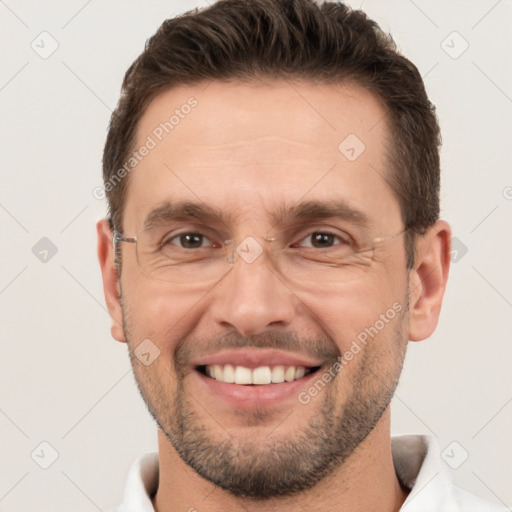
[
  {"x": 111, "y": 285},
  {"x": 427, "y": 281}
]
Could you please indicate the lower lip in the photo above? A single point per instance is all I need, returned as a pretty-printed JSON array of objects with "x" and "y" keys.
[{"x": 250, "y": 396}]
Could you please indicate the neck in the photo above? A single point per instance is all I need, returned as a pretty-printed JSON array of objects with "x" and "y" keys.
[{"x": 366, "y": 481}]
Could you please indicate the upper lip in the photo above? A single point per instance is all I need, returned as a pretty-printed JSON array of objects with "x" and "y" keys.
[{"x": 254, "y": 357}]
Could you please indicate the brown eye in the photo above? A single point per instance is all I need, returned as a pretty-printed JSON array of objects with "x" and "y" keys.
[
  {"x": 189, "y": 240},
  {"x": 322, "y": 240}
]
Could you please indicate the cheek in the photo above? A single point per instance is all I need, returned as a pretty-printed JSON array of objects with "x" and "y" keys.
[
  {"x": 351, "y": 312},
  {"x": 159, "y": 312}
]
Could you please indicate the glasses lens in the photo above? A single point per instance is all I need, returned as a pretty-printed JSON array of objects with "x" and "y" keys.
[
  {"x": 312, "y": 256},
  {"x": 182, "y": 257}
]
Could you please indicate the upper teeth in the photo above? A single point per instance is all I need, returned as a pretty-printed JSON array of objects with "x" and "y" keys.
[{"x": 260, "y": 375}]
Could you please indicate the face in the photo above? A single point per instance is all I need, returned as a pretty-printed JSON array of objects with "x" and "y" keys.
[{"x": 304, "y": 167}]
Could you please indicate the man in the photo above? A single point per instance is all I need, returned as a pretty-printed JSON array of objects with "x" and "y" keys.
[{"x": 272, "y": 172}]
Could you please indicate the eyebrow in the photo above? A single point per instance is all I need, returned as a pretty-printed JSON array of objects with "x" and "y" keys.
[
  {"x": 312, "y": 210},
  {"x": 183, "y": 210},
  {"x": 303, "y": 211}
]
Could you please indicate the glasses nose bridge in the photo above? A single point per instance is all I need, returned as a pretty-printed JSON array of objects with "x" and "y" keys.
[{"x": 251, "y": 248}]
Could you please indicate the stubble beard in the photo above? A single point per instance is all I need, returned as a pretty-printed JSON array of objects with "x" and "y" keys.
[{"x": 278, "y": 466}]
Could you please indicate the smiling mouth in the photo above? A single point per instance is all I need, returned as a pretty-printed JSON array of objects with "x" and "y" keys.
[{"x": 259, "y": 376}]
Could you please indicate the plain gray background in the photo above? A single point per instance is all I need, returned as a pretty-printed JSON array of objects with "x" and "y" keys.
[{"x": 65, "y": 382}]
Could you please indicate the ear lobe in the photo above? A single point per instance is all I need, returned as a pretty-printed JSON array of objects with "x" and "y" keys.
[
  {"x": 427, "y": 280},
  {"x": 110, "y": 278}
]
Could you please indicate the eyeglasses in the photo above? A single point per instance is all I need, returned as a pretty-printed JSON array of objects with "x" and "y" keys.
[{"x": 312, "y": 256}]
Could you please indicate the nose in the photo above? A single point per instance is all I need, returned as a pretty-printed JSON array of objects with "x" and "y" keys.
[{"x": 253, "y": 296}]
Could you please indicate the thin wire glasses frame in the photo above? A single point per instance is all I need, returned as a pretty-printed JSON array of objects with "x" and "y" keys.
[{"x": 321, "y": 268}]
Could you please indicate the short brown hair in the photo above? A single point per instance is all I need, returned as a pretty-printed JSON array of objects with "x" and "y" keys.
[{"x": 296, "y": 39}]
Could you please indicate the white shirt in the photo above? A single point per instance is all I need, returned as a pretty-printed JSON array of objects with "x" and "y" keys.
[{"x": 418, "y": 465}]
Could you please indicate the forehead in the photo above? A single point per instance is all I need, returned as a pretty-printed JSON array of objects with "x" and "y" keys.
[{"x": 251, "y": 147}]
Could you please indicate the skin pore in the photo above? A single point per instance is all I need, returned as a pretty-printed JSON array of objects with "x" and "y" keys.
[{"x": 248, "y": 151}]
